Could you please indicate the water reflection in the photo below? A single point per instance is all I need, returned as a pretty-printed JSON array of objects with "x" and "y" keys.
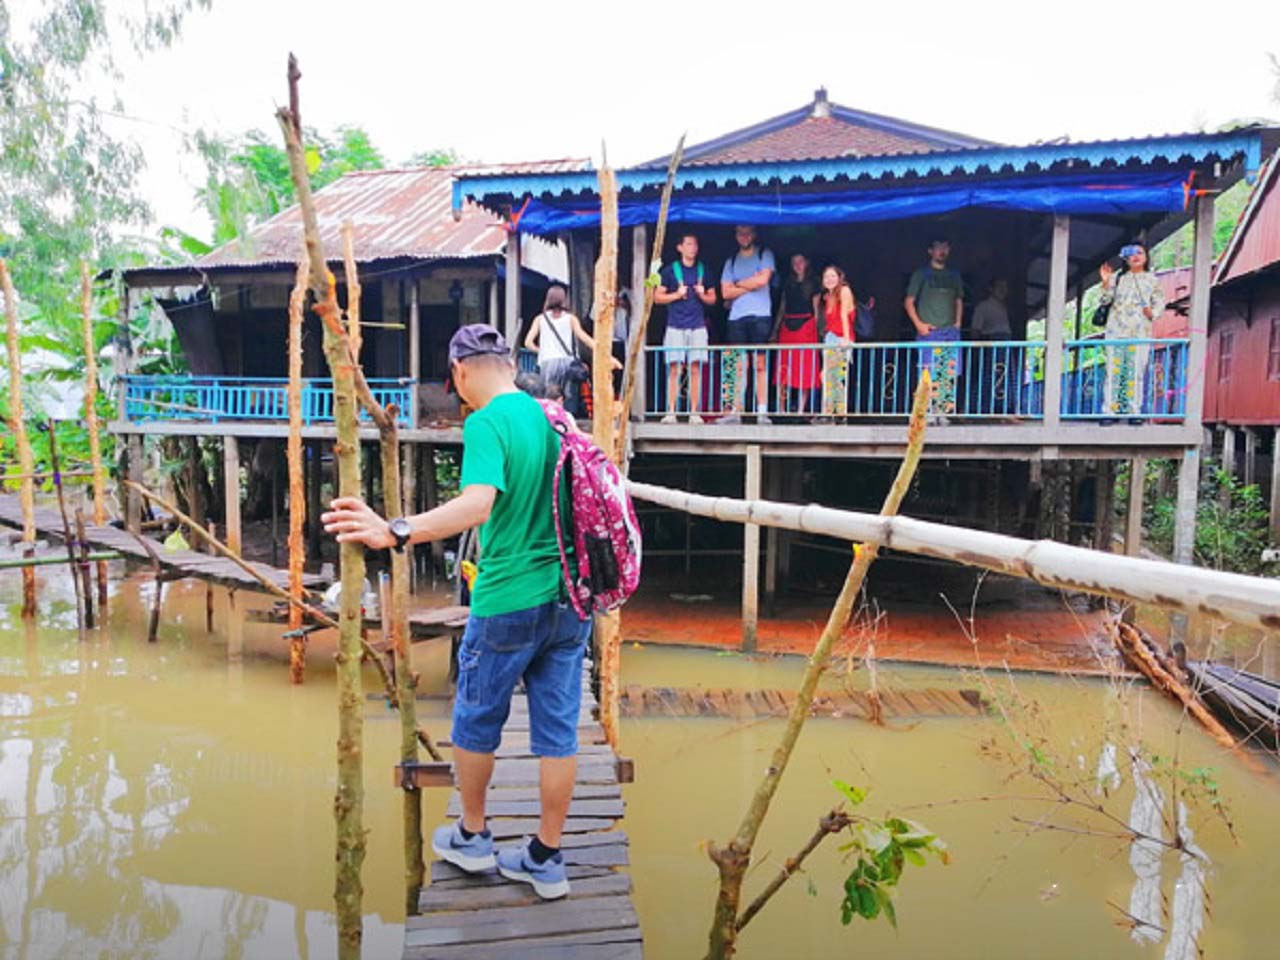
[{"x": 154, "y": 803}]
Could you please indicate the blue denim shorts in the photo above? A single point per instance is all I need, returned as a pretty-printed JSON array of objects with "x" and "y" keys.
[
  {"x": 545, "y": 646},
  {"x": 749, "y": 330}
]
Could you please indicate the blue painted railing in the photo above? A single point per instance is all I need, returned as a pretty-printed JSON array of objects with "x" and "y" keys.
[
  {"x": 998, "y": 380},
  {"x": 215, "y": 399}
]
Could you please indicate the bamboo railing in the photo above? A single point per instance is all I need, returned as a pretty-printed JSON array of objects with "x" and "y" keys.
[{"x": 1249, "y": 601}]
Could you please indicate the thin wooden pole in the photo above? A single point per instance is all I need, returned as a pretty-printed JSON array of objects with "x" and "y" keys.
[
  {"x": 66, "y": 526},
  {"x": 751, "y": 555},
  {"x": 355, "y": 335},
  {"x": 640, "y": 329},
  {"x": 17, "y": 423},
  {"x": 297, "y": 495},
  {"x": 1133, "y": 518},
  {"x": 1055, "y": 320},
  {"x": 82, "y": 567},
  {"x": 608, "y": 627},
  {"x": 734, "y": 858},
  {"x": 231, "y": 494},
  {"x": 91, "y": 417}
]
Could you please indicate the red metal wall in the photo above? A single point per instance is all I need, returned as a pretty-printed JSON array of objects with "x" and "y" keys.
[{"x": 1246, "y": 395}]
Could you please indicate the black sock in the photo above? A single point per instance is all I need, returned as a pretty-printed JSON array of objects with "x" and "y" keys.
[
  {"x": 539, "y": 852},
  {"x": 467, "y": 834}
]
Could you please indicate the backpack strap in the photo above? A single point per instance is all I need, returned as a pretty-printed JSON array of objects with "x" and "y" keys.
[{"x": 677, "y": 271}]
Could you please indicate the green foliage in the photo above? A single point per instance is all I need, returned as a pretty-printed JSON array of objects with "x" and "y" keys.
[
  {"x": 1231, "y": 521},
  {"x": 1175, "y": 250},
  {"x": 883, "y": 849},
  {"x": 441, "y": 157},
  {"x": 448, "y": 468}
]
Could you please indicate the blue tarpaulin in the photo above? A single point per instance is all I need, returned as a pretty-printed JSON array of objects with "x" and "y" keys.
[{"x": 1105, "y": 193}]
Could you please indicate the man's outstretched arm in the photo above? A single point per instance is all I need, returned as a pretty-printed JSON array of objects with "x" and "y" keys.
[{"x": 351, "y": 520}]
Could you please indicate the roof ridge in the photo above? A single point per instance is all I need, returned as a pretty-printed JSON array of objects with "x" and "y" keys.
[{"x": 454, "y": 167}]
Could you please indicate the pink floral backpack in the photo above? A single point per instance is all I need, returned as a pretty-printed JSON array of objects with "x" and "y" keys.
[{"x": 606, "y": 535}]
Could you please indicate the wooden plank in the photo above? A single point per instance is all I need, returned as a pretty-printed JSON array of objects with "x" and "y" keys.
[
  {"x": 517, "y": 923},
  {"x": 449, "y": 877},
  {"x": 581, "y": 791},
  {"x": 497, "y": 807},
  {"x": 524, "y": 770},
  {"x": 509, "y": 827},
  {"x": 509, "y": 894},
  {"x": 622, "y": 944}
]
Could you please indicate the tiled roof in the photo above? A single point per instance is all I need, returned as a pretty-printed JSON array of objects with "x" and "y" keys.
[
  {"x": 394, "y": 214},
  {"x": 815, "y": 137}
]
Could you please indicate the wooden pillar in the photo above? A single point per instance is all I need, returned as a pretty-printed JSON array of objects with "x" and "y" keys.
[
  {"x": 495, "y": 320},
  {"x": 1275, "y": 482},
  {"x": 415, "y": 350},
  {"x": 1198, "y": 312},
  {"x": 313, "y": 477},
  {"x": 639, "y": 274},
  {"x": 133, "y": 501},
  {"x": 1104, "y": 498},
  {"x": 231, "y": 481},
  {"x": 1184, "y": 529},
  {"x": 1133, "y": 515},
  {"x": 1055, "y": 320},
  {"x": 432, "y": 501},
  {"x": 409, "y": 497},
  {"x": 751, "y": 555},
  {"x": 772, "y": 491},
  {"x": 511, "y": 329},
  {"x": 1250, "y": 456},
  {"x": 1229, "y": 449}
]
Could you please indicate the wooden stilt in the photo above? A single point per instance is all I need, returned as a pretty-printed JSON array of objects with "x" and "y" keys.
[
  {"x": 751, "y": 555},
  {"x": 91, "y": 421},
  {"x": 231, "y": 479},
  {"x": 432, "y": 492},
  {"x": 17, "y": 424},
  {"x": 511, "y": 311},
  {"x": 1133, "y": 517},
  {"x": 409, "y": 480},
  {"x": 297, "y": 494},
  {"x": 86, "y": 575},
  {"x": 1250, "y": 456},
  {"x": 1229, "y": 449},
  {"x": 315, "y": 480},
  {"x": 415, "y": 350},
  {"x": 773, "y": 490},
  {"x": 133, "y": 471},
  {"x": 208, "y": 589}
]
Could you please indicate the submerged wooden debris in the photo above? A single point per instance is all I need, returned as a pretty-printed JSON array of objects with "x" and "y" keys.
[{"x": 639, "y": 701}]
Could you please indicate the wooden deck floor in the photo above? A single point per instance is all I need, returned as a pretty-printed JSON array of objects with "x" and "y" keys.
[
  {"x": 489, "y": 918},
  {"x": 186, "y": 563}
]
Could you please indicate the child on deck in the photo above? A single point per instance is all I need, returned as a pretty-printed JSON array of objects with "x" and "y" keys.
[{"x": 522, "y": 623}]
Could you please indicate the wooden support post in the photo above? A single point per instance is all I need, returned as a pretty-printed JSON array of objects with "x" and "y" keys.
[
  {"x": 297, "y": 494},
  {"x": 1250, "y": 456},
  {"x": 17, "y": 423},
  {"x": 1229, "y": 449},
  {"x": 133, "y": 471},
  {"x": 495, "y": 320},
  {"x": 1133, "y": 516},
  {"x": 1198, "y": 312},
  {"x": 231, "y": 487},
  {"x": 432, "y": 501},
  {"x": 408, "y": 497},
  {"x": 208, "y": 589},
  {"x": 415, "y": 350},
  {"x": 511, "y": 328},
  {"x": 639, "y": 274},
  {"x": 1275, "y": 482},
  {"x": 772, "y": 537},
  {"x": 1055, "y": 320},
  {"x": 1184, "y": 530},
  {"x": 91, "y": 420},
  {"x": 751, "y": 555},
  {"x": 315, "y": 479}
]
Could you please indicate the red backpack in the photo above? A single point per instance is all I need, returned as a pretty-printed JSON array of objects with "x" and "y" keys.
[{"x": 606, "y": 535}]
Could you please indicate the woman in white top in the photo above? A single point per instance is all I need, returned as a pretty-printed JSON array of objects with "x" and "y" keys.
[
  {"x": 1135, "y": 299},
  {"x": 552, "y": 335}
]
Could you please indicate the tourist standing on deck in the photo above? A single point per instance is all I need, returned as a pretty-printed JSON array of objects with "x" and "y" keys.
[
  {"x": 744, "y": 284},
  {"x": 797, "y": 323},
  {"x": 935, "y": 306},
  {"x": 683, "y": 291},
  {"x": 1135, "y": 299},
  {"x": 522, "y": 624},
  {"x": 838, "y": 311},
  {"x": 552, "y": 335}
]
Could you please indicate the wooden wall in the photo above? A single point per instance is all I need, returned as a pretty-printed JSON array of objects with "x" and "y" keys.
[{"x": 1240, "y": 390}]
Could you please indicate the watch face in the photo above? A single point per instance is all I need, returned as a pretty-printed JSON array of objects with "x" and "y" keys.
[{"x": 400, "y": 530}]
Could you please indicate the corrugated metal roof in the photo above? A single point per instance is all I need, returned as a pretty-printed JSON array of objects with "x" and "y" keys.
[
  {"x": 1189, "y": 148},
  {"x": 394, "y": 214}
]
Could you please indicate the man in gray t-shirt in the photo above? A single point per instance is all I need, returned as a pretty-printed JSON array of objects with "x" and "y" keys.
[{"x": 744, "y": 284}]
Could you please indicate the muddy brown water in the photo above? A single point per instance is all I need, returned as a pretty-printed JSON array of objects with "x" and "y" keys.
[{"x": 174, "y": 800}]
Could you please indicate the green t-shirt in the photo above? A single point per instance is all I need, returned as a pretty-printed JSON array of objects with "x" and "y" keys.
[
  {"x": 510, "y": 446},
  {"x": 936, "y": 292}
]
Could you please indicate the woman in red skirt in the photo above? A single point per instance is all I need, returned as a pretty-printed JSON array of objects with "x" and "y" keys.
[{"x": 798, "y": 370}]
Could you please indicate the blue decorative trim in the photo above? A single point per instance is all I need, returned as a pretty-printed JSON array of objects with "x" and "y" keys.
[{"x": 1181, "y": 149}]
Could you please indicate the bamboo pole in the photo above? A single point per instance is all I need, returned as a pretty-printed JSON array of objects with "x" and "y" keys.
[
  {"x": 91, "y": 418},
  {"x": 1250, "y": 601},
  {"x": 26, "y": 465},
  {"x": 66, "y": 528},
  {"x": 733, "y": 859},
  {"x": 635, "y": 350},
  {"x": 355, "y": 334},
  {"x": 608, "y": 627},
  {"x": 297, "y": 495},
  {"x": 348, "y": 806},
  {"x": 395, "y": 615}
]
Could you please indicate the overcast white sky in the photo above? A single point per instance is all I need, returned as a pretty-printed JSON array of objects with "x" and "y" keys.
[{"x": 530, "y": 80}]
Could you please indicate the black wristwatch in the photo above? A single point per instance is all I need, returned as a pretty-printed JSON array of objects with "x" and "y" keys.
[{"x": 399, "y": 528}]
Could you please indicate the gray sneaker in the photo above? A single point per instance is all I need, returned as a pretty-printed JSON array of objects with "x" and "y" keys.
[
  {"x": 474, "y": 855},
  {"x": 548, "y": 879}
]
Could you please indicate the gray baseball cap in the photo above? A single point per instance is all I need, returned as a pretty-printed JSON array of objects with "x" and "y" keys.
[{"x": 476, "y": 339}]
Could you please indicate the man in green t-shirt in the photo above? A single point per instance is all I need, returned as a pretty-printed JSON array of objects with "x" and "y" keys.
[
  {"x": 521, "y": 625},
  {"x": 935, "y": 307}
]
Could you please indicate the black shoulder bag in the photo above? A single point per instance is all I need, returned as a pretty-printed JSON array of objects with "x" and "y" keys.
[{"x": 578, "y": 370}]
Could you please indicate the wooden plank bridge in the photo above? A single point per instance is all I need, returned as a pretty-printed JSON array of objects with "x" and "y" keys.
[
  {"x": 175, "y": 564},
  {"x": 487, "y": 917},
  {"x": 897, "y": 703}
]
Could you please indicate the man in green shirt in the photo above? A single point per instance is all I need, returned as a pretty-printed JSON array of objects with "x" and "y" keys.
[
  {"x": 521, "y": 625},
  {"x": 935, "y": 307}
]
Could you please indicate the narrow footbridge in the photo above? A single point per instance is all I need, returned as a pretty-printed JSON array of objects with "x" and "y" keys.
[{"x": 486, "y": 917}]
